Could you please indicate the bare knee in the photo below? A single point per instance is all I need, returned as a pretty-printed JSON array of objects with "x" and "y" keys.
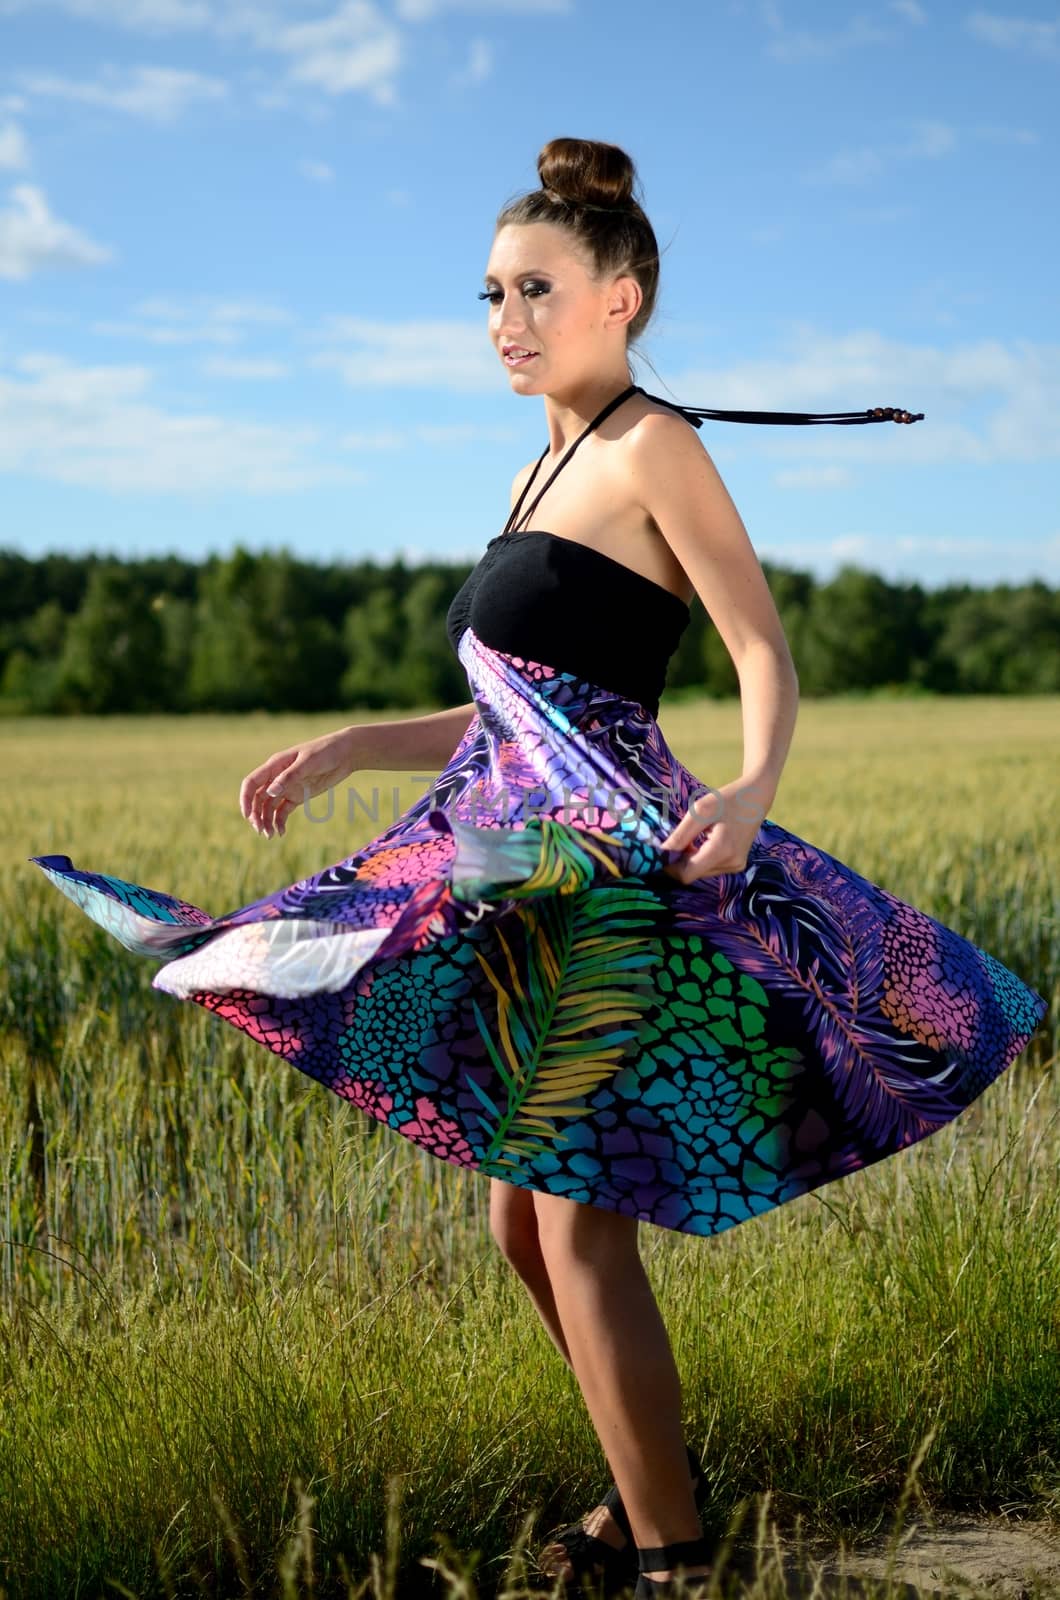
[{"x": 513, "y": 1224}]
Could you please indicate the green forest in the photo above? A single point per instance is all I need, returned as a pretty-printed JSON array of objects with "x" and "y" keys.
[{"x": 249, "y": 631}]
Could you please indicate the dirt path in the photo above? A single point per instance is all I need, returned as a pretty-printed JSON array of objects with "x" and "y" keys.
[
  {"x": 950, "y": 1556},
  {"x": 1004, "y": 1558}
]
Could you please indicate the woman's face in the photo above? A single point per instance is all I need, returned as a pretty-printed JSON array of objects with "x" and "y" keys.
[{"x": 543, "y": 300}]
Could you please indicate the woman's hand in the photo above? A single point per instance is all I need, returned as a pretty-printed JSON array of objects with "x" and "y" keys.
[
  {"x": 730, "y": 818},
  {"x": 289, "y": 778}
]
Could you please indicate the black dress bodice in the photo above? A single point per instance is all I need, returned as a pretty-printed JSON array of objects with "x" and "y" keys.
[
  {"x": 548, "y": 599},
  {"x": 552, "y": 600}
]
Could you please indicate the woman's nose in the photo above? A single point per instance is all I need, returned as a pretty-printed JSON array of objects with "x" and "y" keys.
[{"x": 507, "y": 313}]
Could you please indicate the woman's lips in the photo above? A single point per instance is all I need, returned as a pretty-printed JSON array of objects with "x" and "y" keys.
[{"x": 520, "y": 360}]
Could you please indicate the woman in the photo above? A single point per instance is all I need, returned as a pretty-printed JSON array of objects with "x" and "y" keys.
[{"x": 467, "y": 976}]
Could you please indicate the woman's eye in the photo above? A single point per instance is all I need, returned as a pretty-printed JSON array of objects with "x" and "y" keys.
[{"x": 530, "y": 287}]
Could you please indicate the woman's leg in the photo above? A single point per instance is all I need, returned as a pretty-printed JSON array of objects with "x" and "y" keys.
[
  {"x": 513, "y": 1223},
  {"x": 620, "y": 1352}
]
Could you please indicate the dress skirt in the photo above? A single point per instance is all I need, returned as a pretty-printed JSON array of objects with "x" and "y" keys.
[{"x": 507, "y": 977}]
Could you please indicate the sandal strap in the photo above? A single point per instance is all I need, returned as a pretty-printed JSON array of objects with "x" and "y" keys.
[
  {"x": 688, "y": 1553},
  {"x": 613, "y": 1501}
]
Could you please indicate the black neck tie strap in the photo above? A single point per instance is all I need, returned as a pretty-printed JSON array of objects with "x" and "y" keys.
[{"x": 697, "y": 415}]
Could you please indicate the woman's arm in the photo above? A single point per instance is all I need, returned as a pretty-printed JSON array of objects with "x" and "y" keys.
[
  {"x": 677, "y": 483},
  {"x": 408, "y": 742},
  {"x": 290, "y": 777}
]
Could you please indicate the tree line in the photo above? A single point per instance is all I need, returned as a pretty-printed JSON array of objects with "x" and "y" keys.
[{"x": 244, "y": 631}]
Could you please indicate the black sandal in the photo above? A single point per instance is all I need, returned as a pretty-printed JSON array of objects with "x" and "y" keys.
[
  {"x": 597, "y": 1563},
  {"x": 689, "y": 1553}
]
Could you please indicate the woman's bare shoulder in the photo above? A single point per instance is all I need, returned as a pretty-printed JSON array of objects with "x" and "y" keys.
[
  {"x": 662, "y": 420},
  {"x": 659, "y": 438}
]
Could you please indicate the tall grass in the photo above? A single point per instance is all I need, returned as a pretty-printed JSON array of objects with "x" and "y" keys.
[{"x": 238, "y": 1316}]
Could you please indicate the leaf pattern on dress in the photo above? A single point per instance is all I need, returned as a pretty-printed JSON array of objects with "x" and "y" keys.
[{"x": 564, "y": 1031}]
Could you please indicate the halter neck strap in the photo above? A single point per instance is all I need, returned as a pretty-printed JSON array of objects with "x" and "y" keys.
[
  {"x": 697, "y": 415},
  {"x": 612, "y": 405}
]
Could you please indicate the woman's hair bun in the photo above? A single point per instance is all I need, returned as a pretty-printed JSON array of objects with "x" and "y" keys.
[{"x": 587, "y": 172}]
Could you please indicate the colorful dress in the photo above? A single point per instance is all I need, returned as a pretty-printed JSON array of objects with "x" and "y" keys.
[{"x": 507, "y": 976}]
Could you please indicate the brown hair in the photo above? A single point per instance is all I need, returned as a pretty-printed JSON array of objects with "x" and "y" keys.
[{"x": 587, "y": 187}]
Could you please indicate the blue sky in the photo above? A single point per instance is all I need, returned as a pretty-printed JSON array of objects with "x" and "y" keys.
[{"x": 240, "y": 247}]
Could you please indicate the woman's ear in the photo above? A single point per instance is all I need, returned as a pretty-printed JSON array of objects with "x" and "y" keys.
[{"x": 625, "y": 299}]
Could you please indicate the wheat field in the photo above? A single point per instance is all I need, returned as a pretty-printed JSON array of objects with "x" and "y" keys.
[{"x": 252, "y": 1343}]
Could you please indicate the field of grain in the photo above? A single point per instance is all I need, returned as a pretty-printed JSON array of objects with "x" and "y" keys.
[{"x": 244, "y": 1330}]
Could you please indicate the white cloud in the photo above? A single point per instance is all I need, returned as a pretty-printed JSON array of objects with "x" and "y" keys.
[
  {"x": 381, "y": 439},
  {"x": 218, "y": 311},
  {"x": 954, "y": 544},
  {"x": 930, "y": 140},
  {"x": 32, "y": 239},
  {"x": 205, "y": 334},
  {"x": 793, "y": 45},
  {"x": 1000, "y": 134},
  {"x": 1027, "y": 34},
  {"x": 251, "y": 368},
  {"x": 910, "y": 10},
  {"x": 14, "y": 151},
  {"x": 427, "y": 10},
  {"x": 444, "y": 433},
  {"x": 352, "y": 46},
  {"x": 159, "y": 94},
  {"x": 249, "y": 17},
  {"x": 478, "y": 67},
  {"x": 910, "y": 558},
  {"x": 824, "y": 555},
  {"x": 983, "y": 402},
  {"x": 355, "y": 47},
  {"x": 848, "y": 166},
  {"x": 138, "y": 16},
  {"x": 440, "y": 434},
  {"x": 47, "y": 318},
  {"x": 96, "y": 427},
  {"x": 200, "y": 321},
  {"x": 813, "y": 478},
  {"x": 316, "y": 171},
  {"x": 454, "y": 356}
]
